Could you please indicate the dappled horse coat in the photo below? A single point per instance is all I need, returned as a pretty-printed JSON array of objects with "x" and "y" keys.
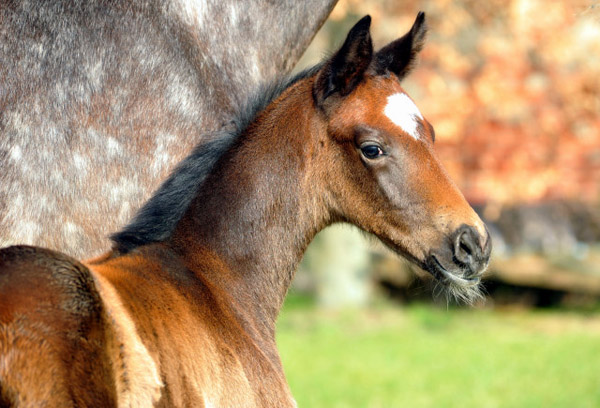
[{"x": 100, "y": 99}]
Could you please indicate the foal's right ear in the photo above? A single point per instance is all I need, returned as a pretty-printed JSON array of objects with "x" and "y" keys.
[{"x": 346, "y": 68}]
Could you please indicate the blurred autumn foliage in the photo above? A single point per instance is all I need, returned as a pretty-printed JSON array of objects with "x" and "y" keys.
[{"x": 512, "y": 88}]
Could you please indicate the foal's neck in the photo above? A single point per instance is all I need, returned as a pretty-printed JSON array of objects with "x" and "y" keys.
[{"x": 261, "y": 207}]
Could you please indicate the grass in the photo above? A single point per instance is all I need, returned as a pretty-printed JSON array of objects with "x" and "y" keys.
[{"x": 423, "y": 356}]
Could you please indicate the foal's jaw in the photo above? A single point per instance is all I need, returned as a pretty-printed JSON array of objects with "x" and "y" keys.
[{"x": 396, "y": 188}]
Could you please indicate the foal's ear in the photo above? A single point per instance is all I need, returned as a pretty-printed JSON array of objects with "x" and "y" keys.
[
  {"x": 399, "y": 56},
  {"x": 346, "y": 68}
]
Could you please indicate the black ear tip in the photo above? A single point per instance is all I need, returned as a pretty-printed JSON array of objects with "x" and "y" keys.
[
  {"x": 363, "y": 24},
  {"x": 420, "y": 20},
  {"x": 420, "y": 17},
  {"x": 419, "y": 28},
  {"x": 361, "y": 29}
]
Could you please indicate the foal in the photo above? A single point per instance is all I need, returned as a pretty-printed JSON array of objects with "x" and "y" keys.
[{"x": 182, "y": 312}]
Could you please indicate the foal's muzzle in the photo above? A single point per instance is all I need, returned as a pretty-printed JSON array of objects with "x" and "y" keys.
[{"x": 463, "y": 258}]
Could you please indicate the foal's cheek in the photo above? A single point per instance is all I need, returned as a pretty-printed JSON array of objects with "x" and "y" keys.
[{"x": 393, "y": 184}]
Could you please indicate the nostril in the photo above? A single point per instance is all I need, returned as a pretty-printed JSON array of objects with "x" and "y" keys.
[
  {"x": 467, "y": 250},
  {"x": 464, "y": 246},
  {"x": 470, "y": 251}
]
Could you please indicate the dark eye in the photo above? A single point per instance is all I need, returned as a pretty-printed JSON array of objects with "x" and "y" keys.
[{"x": 371, "y": 151}]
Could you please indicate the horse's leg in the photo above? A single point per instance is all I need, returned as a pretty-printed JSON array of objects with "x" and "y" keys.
[{"x": 53, "y": 332}]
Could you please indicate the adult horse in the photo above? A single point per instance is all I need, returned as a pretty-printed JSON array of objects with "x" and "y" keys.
[
  {"x": 100, "y": 98},
  {"x": 182, "y": 311}
]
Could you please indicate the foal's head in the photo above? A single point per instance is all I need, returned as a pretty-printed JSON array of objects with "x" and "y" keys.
[{"x": 382, "y": 171}]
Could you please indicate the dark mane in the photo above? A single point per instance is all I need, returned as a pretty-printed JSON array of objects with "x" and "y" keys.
[{"x": 156, "y": 220}]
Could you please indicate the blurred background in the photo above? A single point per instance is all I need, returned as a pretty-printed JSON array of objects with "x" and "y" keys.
[{"x": 513, "y": 91}]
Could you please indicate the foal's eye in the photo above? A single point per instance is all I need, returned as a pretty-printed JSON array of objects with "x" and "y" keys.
[{"x": 371, "y": 151}]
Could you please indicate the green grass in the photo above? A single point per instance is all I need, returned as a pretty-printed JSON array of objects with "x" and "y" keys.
[{"x": 422, "y": 356}]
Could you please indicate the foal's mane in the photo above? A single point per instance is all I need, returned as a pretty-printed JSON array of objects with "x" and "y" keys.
[{"x": 156, "y": 220}]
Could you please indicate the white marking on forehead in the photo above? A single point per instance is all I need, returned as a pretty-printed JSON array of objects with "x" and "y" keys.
[{"x": 403, "y": 112}]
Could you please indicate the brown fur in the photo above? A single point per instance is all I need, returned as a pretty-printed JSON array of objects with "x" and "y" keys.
[
  {"x": 52, "y": 333},
  {"x": 190, "y": 321}
]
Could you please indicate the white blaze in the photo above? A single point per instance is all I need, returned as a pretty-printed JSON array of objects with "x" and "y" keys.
[{"x": 403, "y": 112}]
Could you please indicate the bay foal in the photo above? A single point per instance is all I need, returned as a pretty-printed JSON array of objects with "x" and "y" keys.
[{"x": 182, "y": 311}]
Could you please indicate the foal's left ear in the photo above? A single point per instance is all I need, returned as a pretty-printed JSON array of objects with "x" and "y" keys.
[
  {"x": 346, "y": 68},
  {"x": 399, "y": 56}
]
